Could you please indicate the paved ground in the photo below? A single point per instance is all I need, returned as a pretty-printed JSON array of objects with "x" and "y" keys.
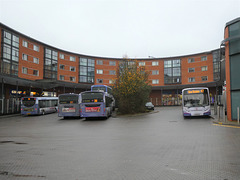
[{"x": 160, "y": 145}]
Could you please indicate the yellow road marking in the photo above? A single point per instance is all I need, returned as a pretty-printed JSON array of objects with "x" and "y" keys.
[{"x": 226, "y": 125}]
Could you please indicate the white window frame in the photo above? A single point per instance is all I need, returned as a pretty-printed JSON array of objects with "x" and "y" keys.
[
  {"x": 72, "y": 79},
  {"x": 36, "y": 48},
  {"x": 191, "y": 71},
  {"x": 24, "y": 69},
  {"x": 25, "y": 43},
  {"x": 157, "y": 72},
  {"x": 72, "y": 58},
  {"x": 141, "y": 63},
  {"x": 204, "y": 68},
  {"x": 73, "y": 67},
  {"x": 154, "y": 63},
  {"x": 203, "y": 58},
  {"x": 61, "y": 77},
  {"x": 155, "y": 81},
  {"x": 36, "y": 71},
  {"x": 112, "y": 63},
  {"x": 61, "y": 65},
  {"x": 203, "y": 77},
  {"x": 99, "y": 71},
  {"x": 25, "y": 57},
  {"x": 99, "y": 62},
  {"x": 191, "y": 79},
  {"x": 35, "y": 60},
  {"x": 191, "y": 60},
  {"x": 61, "y": 56}
]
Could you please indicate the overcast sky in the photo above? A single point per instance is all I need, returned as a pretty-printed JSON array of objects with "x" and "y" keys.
[{"x": 113, "y": 28}]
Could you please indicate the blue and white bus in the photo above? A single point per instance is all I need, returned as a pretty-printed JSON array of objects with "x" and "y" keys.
[
  {"x": 38, "y": 105},
  {"x": 106, "y": 89},
  {"x": 103, "y": 88},
  {"x": 69, "y": 105},
  {"x": 96, "y": 104},
  {"x": 196, "y": 102}
]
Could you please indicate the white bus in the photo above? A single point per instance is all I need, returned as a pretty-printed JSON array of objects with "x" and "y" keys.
[
  {"x": 196, "y": 102},
  {"x": 38, "y": 105}
]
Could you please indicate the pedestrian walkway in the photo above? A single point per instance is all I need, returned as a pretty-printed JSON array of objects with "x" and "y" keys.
[{"x": 219, "y": 118}]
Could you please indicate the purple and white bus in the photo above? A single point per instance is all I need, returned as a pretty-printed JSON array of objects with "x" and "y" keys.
[
  {"x": 196, "y": 102},
  {"x": 69, "y": 105},
  {"x": 96, "y": 104}
]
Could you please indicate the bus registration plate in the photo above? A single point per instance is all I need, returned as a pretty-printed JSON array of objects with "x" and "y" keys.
[
  {"x": 92, "y": 109},
  {"x": 68, "y": 109}
]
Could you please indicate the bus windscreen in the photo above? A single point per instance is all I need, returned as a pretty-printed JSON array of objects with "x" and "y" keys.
[
  {"x": 92, "y": 97},
  {"x": 99, "y": 89},
  {"x": 196, "y": 98},
  {"x": 68, "y": 99},
  {"x": 28, "y": 102}
]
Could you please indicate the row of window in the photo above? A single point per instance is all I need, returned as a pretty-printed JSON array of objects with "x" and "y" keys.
[
  {"x": 26, "y": 44},
  {"x": 191, "y": 60},
  {"x": 72, "y": 58},
  {"x": 156, "y": 81},
  {"x": 72, "y": 68},
  {"x": 71, "y": 78},
  {"x": 26, "y": 58},
  {"x": 26, "y": 71},
  {"x": 203, "y": 68}
]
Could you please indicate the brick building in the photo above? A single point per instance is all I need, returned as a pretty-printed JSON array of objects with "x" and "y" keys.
[{"x": 28, "y": 66}]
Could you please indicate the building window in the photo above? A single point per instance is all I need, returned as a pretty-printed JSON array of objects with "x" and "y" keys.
[
  {"x": 112, "y": 72},
  {"x": 191, "y": 70},
  {"x": 24, "y": 70},
  {"x": 141, "y": 63},
  {"x": 99, "y": 62},
  {"x": 155, "y": 72},
  {"x": 204, "y": 78},
  {"x": 35, "y": 48},
  {"x": 35, "y": 72},
  {"x": 24, "y": 43},
  {"x": 72, "y": 79},
  {"x": 35, "y": 60},
  {"x": 50, "y": 64},
  {"x": 111, "y": 81},
  {"x": 191, "y": 60},
  {"x": 72, "y": 58},
  {"x": 99, "y": 71},
  {"x": 61, "y": 77},
  {"x": 155, "y": 63},
  {"x": 172, "y": 71},
  {"x": 72, "y": 68},
  {"x": 25, "y": 57},
  {"x": 204, "y": 68},
  {"x": 99, "y": 81},
  {"x": 86, "y": 70},
  {"x": 61, "y": 66},
  {"x": 192, "y": 79},
  {"x": 112, "y": 63},
  {"x": 203, "y": 58},
  {"x": 61, "y": 56},
  {"x": 155, "y": 81}
]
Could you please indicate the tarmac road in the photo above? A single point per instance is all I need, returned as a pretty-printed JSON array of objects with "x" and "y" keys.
[{"x": 157, "y": 145}]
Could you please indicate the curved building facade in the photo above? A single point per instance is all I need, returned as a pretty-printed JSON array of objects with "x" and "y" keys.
[{"x": 31, "y": 67}]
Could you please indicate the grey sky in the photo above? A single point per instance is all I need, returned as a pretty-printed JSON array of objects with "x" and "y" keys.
[{"x": 113, "y": 28}]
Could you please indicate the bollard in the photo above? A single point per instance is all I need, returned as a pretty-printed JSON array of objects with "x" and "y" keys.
[
  {"x": 218, "y": 113},
  {"x": 238, "y": 114},
  {"x": 224, "y": 115}
]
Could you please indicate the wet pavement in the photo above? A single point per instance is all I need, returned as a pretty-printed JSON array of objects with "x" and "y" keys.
[{"x": 158, "y": 145}]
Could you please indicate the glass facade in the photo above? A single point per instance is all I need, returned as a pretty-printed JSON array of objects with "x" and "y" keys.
[
  {"x": 86, "y": 70},
  {"x": 216, "y": 65},
  {"x": 172, "y": 71},
  {"x": 10, "y": 53},
  {"x": 50, "y": 64}
]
